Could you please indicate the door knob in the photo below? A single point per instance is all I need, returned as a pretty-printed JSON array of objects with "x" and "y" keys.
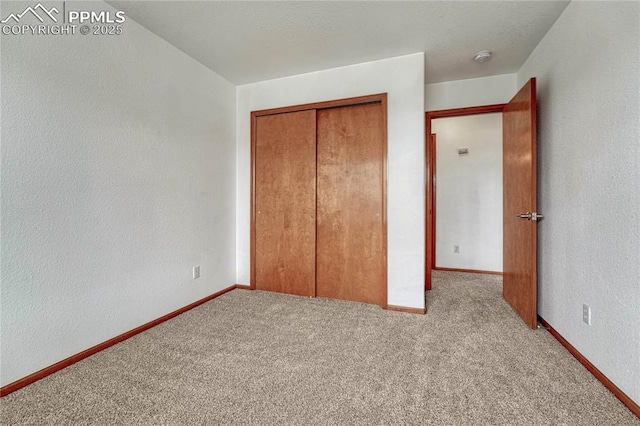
[{"x": 530, "y": 216}]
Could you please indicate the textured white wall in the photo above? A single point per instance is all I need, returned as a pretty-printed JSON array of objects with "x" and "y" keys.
[
  {"x": 497, "y": 89},
  {"x": 403, "y": 79},
  {"x": 589, "y": 182},
  {"x": 469, "y": 192},
  {"x": 118, "y": 175}
]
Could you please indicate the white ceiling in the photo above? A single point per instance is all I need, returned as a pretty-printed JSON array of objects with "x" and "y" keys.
[{"x": 253, "y": 41}]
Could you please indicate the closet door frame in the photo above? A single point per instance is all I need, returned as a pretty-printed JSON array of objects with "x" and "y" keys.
[{"x": 377, "y": 98}]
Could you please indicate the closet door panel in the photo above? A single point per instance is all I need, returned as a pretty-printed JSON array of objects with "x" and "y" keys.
[
  {"x": 285, "y": 202},
  {"x": 350, "y": 258}
]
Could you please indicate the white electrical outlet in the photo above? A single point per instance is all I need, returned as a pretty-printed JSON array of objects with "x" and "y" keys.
[
  {"x": 456, "y": 249},
  {"x": 196, "y": 272},
  {"x": 586, "y": 314}
]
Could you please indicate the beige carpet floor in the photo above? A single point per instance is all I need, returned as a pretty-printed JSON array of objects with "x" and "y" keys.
[{"x": 262, "y": 358}]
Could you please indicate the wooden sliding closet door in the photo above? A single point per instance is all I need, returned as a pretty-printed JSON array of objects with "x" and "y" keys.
[
  {"x": 285, "y": 202},
  {"x": 351, "y": 259}
]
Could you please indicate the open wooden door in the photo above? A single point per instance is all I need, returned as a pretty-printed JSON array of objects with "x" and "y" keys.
[{"x": 519, "y": 204}]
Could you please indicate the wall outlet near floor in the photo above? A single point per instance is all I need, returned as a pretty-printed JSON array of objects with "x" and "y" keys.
[
  {"x": 456, "y": 249},
  {"x": 196, "y": 272},
  {"x": 586, "y": 314}
]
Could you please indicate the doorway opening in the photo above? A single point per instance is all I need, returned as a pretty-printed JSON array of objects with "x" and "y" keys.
[
  {"x": 461, "y": 198},
  {"x": 519, "y": 198}
]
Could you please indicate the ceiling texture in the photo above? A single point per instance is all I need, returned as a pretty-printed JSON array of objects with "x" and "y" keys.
[{"x": 247, "y": 41}]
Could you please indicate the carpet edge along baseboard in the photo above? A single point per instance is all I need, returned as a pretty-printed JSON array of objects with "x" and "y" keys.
[
  {"x": 41, "y": 374},
  {"x": 615, "y": 390},
  {"x": 406, "y": 309}
]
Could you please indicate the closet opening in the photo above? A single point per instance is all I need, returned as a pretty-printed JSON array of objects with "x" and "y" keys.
[{"x": 319, "y": 199}]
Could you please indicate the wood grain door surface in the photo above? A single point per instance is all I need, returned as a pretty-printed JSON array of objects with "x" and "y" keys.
[
  {"x": 520, "y": 195},
  {"x": 285, "y": 202},
  {"x": 351, "y": 258}
]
